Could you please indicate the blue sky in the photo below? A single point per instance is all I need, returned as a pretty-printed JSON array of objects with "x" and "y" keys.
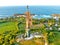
[{"x": 28, "y": 2}]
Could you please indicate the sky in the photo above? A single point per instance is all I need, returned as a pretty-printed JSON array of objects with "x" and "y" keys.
[{"x": 29, "y": 2}]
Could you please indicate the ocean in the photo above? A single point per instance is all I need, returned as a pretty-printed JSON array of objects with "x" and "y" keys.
[{"x": 39, "y": 11}]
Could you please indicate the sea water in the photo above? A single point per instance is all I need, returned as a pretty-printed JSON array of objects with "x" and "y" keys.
[{"x": 39, "y": 11}]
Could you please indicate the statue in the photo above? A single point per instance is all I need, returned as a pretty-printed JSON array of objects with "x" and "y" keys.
[{"x": 28, "y": 22}]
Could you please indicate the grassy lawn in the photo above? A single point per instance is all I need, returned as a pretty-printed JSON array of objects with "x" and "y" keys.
[
  {"x": 57, "y": 39},
  {"x": 35, "y": 41},
  {"x": 7, "y": 26}
]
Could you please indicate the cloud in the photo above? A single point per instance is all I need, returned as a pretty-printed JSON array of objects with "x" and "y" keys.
[{"x": 28, "y": 2}]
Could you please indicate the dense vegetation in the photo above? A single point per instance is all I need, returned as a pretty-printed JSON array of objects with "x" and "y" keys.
[{"x": 13, "y": 26}]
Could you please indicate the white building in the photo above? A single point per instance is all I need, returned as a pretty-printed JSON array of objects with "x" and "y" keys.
[{"x": 56, "y": 16}]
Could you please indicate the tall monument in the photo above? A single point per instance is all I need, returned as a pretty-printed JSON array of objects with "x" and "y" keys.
[{"x": 28, "y": 23}]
